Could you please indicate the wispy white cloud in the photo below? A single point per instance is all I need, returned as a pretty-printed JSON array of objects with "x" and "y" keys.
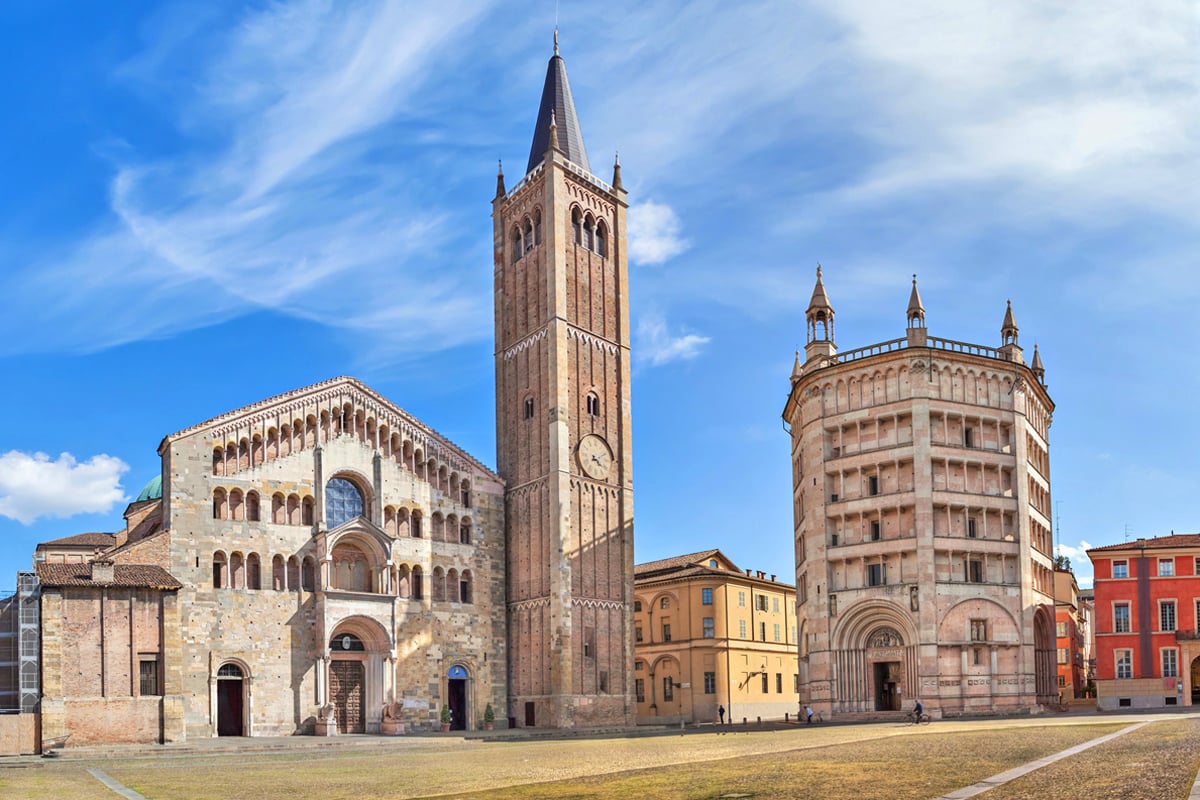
[
  {"x": 656, "y": 345},
  {"x": 1081, "y": 110},
  {"x": 655, "y": 233},
  {"x": 278, "y": 199},
  {"x": 34, "y": 485}
]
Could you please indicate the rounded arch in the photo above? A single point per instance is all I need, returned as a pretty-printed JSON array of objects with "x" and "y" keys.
[
  {"x": 347, "y": 497},
  {"x": 370, "y": 632},
  {"x": 355, "y": 565},
  {"x": 955, "y": 624},
  {"x": 861, "y": 620},
  {"x": 656, "y": 601}
]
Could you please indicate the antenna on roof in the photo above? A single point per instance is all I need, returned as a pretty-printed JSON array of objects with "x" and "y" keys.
[{"x": 1126, "y": 532}]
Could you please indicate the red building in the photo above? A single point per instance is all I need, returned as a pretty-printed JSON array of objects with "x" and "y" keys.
[
  {"x": 1071, "y": 633},
  {"x": 1147, "y": 622}
]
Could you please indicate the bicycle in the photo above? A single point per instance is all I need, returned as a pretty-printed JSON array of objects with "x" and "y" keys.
[{"x": 918, "y": 719}]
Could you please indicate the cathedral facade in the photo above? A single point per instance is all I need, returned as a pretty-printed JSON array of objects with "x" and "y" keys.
[
  {"x": 323, "y": 562},
  {"x": 924, "y": 561}
]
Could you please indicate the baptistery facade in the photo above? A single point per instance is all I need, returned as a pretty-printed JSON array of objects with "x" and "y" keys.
[{"x": 921, "y": 480}]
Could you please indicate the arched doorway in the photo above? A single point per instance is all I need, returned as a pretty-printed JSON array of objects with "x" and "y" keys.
[
  {"x": 456, "y": 697},
  {"x": 230, "y": 700},
  {"x": 347, "y": 678},
  {"x": 885, "y": 654}
]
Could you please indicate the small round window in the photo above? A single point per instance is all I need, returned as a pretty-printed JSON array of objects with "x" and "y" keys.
[{"x": 343, "y": 502}]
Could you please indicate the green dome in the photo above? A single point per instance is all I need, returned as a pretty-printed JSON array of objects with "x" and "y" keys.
[{"x": 152, "y": 491}]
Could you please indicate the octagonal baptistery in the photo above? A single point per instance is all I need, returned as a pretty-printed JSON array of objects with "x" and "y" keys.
[
  {"x": 342, "y": 567},
  {"x": 921, "y": 497}
]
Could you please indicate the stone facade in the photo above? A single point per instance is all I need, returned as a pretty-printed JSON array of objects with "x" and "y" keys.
[
  {"x": 921, "y": 499},
  {"x": 329, "y": 565},
  {"x": 413, "y": 573},
  {"x": 707, "y": 635},
  {"x": 563, "y": 435}
]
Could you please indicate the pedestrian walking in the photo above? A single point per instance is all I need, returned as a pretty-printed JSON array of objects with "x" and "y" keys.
[
  {"x": 808, "y": 714},
  {"x": 721, "y": 713}
]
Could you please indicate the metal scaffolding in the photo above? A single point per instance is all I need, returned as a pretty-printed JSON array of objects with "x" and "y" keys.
[{"x": 29, "y": 640}]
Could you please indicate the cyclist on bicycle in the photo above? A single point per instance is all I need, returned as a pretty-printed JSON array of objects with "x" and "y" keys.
[{"x": 919, "y": 711}]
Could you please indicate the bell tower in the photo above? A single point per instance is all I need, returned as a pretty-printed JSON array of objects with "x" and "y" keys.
[{"x": 562, "y": 427}]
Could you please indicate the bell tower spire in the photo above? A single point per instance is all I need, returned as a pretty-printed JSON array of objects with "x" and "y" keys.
[{"x": 557, "y": 103}]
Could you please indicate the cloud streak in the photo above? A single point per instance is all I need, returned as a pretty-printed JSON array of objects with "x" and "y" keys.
[
  {"x": 656, "y": 346},
  {"x": 278, "y": 200}
]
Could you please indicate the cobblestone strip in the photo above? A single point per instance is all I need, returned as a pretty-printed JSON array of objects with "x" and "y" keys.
[
  {"x": 1194, "y": 794},
  {"x": 119, "y": 788},
  {"x": 1024, "y": 769}
]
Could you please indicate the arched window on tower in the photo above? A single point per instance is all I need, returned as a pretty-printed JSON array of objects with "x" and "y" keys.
[
  {"x": 577, "y": 226},
  {"x": 593, "y": 404},
  {"x": 528, "y": 408},
  {"x": 588, "y": 232},
  {"x": 528, "y": 236},
  {"x": 516, "y": 244},
  {"x": 252, "y": 506},
  {"x": 219, "y": 506},
  {"x": 537, "y": 228},
  {"x": 343, "y": 502},
  {"x": 601, "y": 240}
]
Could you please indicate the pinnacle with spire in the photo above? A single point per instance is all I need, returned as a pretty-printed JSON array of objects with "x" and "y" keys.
[
  {"x": 820, "y": 300},
  {"x": 500, "y": 191},
  {"x": 916, "y": 309},
  {"x": 1039, "y": 371},
  {"x": 1008, "y": 328},
  {"x": 557, "y": 108},
  {"x": 820, "y": 324}
]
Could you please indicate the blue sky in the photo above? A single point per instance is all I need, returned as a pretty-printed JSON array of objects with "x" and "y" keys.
[{"x": 203, "y": 204}]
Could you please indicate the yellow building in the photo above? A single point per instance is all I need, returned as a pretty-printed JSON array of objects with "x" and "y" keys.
[{"x": 707, "y": 634}]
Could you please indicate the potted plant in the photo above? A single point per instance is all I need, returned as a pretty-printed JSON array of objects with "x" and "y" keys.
[
  {"x": 489, "y": 718},
  {"x": 447, "y": 716}
]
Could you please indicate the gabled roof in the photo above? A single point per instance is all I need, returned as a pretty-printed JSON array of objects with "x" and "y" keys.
[
  {"x": 1175, "y": 540},
  {"x": 83, "y": 540},
  {"x": 125, "y": 576},
  {"x": 557, "y": 102},
  {"x": 350, "y": 387},
  {"x": 677, "y": 562}
]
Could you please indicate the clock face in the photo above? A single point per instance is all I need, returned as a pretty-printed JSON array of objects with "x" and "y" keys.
[{"x": 595, "y": 458}]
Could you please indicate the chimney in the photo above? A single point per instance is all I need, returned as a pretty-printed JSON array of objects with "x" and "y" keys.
[
  {"x": 102, "y": 571},
  {"x": 749, "y": 573},
  {"x": 761, "y": 574},
  {"x": 772, "y": 579}
]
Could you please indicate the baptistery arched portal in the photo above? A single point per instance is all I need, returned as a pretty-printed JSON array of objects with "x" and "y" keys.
[
  {"x": 875, "y": 659},
  {"x": 884, "y": 654}
]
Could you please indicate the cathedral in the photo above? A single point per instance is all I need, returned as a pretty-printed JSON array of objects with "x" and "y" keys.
[
  {"x": 321, "y": 562},
  {"x": 921, "y": 499}
]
